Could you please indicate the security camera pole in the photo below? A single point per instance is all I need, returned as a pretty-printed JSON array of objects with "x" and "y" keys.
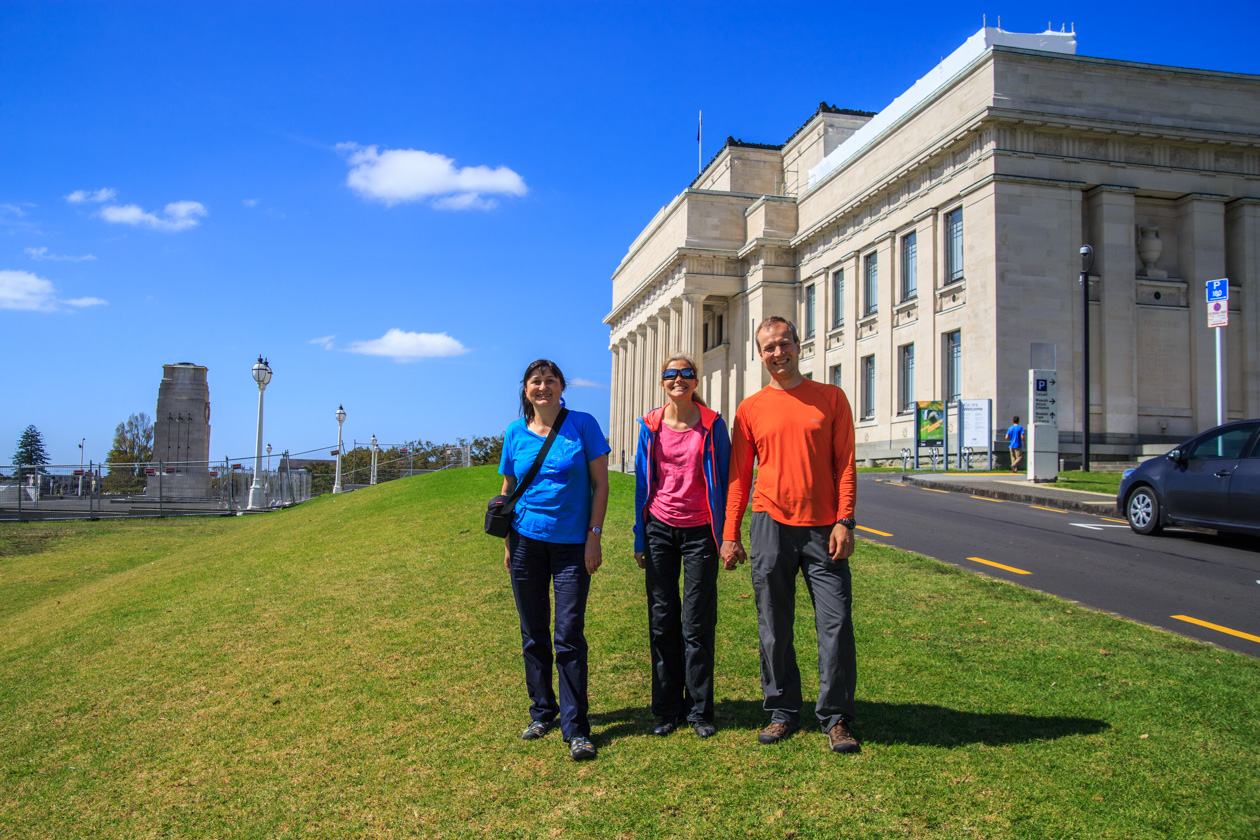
[{"x": 1087, "y": 260}]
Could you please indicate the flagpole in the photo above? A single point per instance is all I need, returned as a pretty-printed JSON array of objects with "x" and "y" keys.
[{"x": 699, "y": 144}]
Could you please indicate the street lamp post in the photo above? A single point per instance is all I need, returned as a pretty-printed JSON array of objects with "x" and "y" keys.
[
  {"x": 375, "y": 450},
  {"x": 1087, "y": 261},
  {"x": 269, "y": 459},
  {"x": 81, "y": 442},
  {"x": 341, "y": 418},
  {"x": 262, "y": 375}
]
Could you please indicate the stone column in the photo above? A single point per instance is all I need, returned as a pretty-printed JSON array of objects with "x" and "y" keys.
[
  {"x": 1201, "y": 257},
  {"x": 665, "y": 334},
  {"x": 614, "y": 418},
  {"x": 690, "y": 330},
  {"x": 1110, "y": 231},
  {"x": 675, "y": 325},
  {"x": 651, "y": 363},
  {"x": 1242, "y": 238},
  {"x": 631, "y": 377}
]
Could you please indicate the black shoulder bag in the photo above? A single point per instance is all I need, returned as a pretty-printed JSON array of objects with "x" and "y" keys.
[{"x": 499, "y": 510}]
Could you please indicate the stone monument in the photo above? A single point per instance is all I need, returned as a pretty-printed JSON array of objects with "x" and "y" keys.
[{"x": 181, "y": 434}]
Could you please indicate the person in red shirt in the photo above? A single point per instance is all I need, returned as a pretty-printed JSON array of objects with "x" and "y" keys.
[{"x": 800, "y": 433}]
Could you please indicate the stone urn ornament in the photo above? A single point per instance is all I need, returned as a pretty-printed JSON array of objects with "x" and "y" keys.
[{"x": 1149, "y": 247}]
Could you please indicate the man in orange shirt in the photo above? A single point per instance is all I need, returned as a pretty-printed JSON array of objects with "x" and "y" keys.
[{"x": 800, "y": 432}]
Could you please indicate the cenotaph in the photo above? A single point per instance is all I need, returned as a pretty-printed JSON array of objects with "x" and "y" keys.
[{"x": 181, "y": 434}]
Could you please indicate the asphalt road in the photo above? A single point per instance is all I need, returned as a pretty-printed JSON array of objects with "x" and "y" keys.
[{"x": 1177, "y": 581}]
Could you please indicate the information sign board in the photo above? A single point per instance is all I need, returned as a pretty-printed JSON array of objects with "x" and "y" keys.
[
  {"x": 1218, "y": 314},
  {"x": 1218, "y": 290},
  {"x": 977, "y": 423},
  {"x": 1045, "y": 398}
]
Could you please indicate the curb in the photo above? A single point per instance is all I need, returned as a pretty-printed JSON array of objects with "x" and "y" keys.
[{"x": 1066, "y": 504}]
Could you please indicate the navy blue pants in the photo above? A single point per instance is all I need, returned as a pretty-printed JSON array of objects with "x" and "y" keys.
[{"x": 537, "y": 568}]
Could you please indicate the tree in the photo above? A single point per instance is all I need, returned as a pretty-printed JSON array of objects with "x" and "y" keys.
[
  {"x": 30, "y": 455},
  {"x": 131, "y": 452}
]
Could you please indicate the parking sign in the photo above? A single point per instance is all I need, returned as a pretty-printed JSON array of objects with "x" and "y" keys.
[{"x": 1218, "y": 290}]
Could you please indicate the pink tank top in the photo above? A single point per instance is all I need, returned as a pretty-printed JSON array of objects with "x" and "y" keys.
[{"x": 680, "y": 498}]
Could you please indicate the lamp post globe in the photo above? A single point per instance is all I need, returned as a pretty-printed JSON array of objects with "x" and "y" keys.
[
  {"x": 341, "y": 418},
  {"x": 257, "y": 497}
]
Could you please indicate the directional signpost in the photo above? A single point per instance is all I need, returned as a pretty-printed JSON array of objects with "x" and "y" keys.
[
  {"x": 1218, "y": 319},
  {"x": 1043, "y": 425}
]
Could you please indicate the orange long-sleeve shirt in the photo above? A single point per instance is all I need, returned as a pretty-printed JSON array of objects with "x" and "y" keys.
[{"x": 802, "y": 439}]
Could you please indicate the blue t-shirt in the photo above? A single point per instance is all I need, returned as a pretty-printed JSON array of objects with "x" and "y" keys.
[
  {"x": 1014, "y": 436},
  {"x": 557, "y": 505}
]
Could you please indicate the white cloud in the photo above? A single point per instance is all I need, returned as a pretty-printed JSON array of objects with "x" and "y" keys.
[
  {"x": 177, "y": 216},
  {"x": 324, "y": 341},
  {"x": 96, "y": 196},
  {"x": 41, "y": 253},
  {"x": 12, "y": 209},
  {"x": 398, "y": 175},
  {"x": 579, "y": 382},
  {"x": 404, "y": 346},
  {"x": 27, "y": 292},
  {"x": 249, "y": 202}
]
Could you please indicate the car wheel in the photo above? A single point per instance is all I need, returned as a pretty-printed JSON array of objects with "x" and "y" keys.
[{"x": 1142, "y": 511}]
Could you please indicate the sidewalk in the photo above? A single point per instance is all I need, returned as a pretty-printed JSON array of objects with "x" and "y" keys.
[{"x": 1009, "y": 488}]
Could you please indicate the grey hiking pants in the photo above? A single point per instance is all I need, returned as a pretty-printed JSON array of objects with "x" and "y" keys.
[{"x": 778, "y": 552}]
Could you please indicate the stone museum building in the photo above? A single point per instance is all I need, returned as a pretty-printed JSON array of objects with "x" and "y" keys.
[{"x": 931, "y": 251}]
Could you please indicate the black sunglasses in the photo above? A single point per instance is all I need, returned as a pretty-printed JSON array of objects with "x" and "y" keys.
[{"x": 673, "y": 373}]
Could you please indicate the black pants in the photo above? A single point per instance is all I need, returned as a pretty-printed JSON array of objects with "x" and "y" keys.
[{"x": 681, "y": 630}]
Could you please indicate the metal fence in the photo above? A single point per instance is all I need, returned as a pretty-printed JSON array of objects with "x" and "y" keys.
[{"x": 186, "y": 488}]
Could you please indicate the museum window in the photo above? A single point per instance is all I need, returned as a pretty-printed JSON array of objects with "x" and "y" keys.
[
  {"x": 835, "y": 375},
  {"x": 905, "y": 378},
  {"x": 868, "y": 387},
  {"x": 705, "y": 343},
  {"x": 837, "y": 299},
  {"x": 811, "y": 301},
  {"x": 870, "y": 292},
  {"x": 953, "y": 246},
  {"x": 952, "y": 368},
  {"x": 721, "y": 329},
  {"x": 909, "y": 266}
]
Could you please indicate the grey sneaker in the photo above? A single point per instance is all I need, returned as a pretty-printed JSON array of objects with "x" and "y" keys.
[
  {"x": 581, "y": 748},
  {"x": 536, "y": 730}
]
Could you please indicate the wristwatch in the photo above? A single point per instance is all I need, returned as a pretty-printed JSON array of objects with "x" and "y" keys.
[
  {"x": 848, "y": 523},
  {"x": 596, "y": 530}
]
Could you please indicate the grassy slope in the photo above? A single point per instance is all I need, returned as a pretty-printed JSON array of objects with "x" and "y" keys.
[{"x": 351, "y": 667}]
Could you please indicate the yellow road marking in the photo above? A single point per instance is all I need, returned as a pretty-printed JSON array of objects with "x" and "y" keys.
[
  {"x": 987, "y": 499},
  {"x": 1109, "y": 519},
  {"x": 1218, "y": 628},
  {"x": 1052, "y": 510},
  {"x": 933, "y": 490},
  {"x": 999, "y": 565},
  {"x": 873, "y": 531}
]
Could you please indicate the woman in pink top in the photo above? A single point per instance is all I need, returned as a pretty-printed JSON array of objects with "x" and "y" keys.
[{"x": 680, "y": 505}]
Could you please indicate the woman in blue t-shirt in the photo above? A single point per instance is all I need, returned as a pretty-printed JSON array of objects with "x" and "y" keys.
[{"x": 555, "y": 543}]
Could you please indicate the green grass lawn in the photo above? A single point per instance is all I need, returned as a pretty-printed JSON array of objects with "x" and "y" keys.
[
  {"x": 1095, "y": 482},
  {"x": 351, "y": 668}
]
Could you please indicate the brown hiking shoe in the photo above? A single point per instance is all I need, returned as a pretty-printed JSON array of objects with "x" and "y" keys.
[
  {"x": 841, "y": 739},
  {"x": 776, "y": 732}
]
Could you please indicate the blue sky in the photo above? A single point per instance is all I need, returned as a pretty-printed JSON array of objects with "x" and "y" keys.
[{"x": 402, "y": 204}]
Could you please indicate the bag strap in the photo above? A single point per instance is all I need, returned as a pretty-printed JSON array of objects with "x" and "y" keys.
[{"x": 523, "y": 484}]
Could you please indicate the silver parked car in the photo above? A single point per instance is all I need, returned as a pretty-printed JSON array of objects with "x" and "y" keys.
[{"x": 1210, "y": 481}]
